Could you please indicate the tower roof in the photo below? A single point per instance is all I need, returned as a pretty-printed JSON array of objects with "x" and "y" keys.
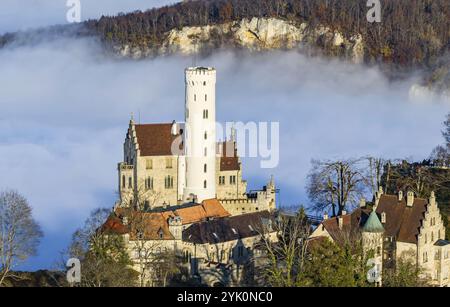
[{"x": 373, "y": 223}]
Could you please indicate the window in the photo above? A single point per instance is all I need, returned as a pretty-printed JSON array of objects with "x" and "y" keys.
[
  {"x": 221, "y": 180},
  {"x": 123, "y": 182},
  {"x": 149, "y": 164},
  {"x": 149, "y": 183},
  {"x": 204, "y": 184},
  {"x": 195, "y": 97},
  {"x": 432, "y": 236},
  {"x": 206, "y": 135},
  {"x": 240, "y": 251},
  {"x": 232, "y": 179},
  {"x": 437, "y": 256},
  {"x": 169, "y": 163},
  {"x": 205, "y": 168},
  {"x": 204, "y": 83},
  {"x": 168, "y": 182},
  {"x": 205, "y": 152},
  {"x": 425, "y": 257},
  {"x": 187, "y": 113},
  {"x": 205, "y": 114},
  {"x": 206, "y": 97},
  {"x": 130, "y": 182}
]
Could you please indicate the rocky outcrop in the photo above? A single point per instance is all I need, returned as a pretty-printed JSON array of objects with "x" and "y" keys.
[{"x": 256, "y": 34}]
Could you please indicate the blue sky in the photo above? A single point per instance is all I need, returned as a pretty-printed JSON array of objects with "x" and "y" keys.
[{"x": 65, "y": 110}]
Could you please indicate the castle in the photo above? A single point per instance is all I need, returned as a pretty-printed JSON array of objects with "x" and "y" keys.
[
  {"x": 396, "y": 228},
  {"x": 174, "y": 163},
  {"x": 181, "y": 191}
]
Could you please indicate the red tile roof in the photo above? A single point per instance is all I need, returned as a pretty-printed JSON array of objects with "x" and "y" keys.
[
  {"x": 210, "y": 208},
  {"x": 155, "y": 139},
  {"x": 155, "y": 223},
  {"x": 229, "y": 160}
]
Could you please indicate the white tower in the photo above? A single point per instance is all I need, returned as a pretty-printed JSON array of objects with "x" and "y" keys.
[{"x": 200, "y": 133}]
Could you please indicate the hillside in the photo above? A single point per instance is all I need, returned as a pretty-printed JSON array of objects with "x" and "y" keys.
[{"x": 413, "y": 34}]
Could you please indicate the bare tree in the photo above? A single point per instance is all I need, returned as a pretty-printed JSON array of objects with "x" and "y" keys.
[
  {"x": 376, "y": 167},
  {"x": 104, "y": 258},
  {"x": 283, "y": 257},
  {"x": 336, "y": 184},
  {"x": 20, "y": 234},
  {"x": 143, "y": 198}
]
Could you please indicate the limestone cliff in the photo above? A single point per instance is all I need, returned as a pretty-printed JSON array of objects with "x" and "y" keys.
[{"x": 256, "y": 34}]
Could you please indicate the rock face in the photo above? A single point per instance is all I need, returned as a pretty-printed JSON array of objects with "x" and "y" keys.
[{"x": 255, "y": 34}]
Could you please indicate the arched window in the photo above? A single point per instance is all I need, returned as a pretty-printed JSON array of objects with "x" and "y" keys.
[
  {"x": 206, "y": 135},
  {"x": 206, "y": 97},
  {"x": 204, "y": 184},
  {"x": 123, "y": 182},
  {"x": 205, "y": 168},
  {"x": 206, "y": 152},
  {"x": 130, "y": 182},
  {"x": 204, "y": 83},
  {"x": 195, "y": 97}
]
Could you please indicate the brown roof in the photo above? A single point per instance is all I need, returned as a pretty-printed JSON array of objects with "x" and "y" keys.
[
  {"x": 226, "y": 229},
  {"x": 350, "y": 225},
  {"x": 229, "y": 161},
  {"x": 210, "y": 208},
  {"x": 155, "y": 139},
  {"x": 113, "y": 225},
  {"x": 154, "y": 224},
  {"x": 150, "y": 225},
  {"x": 402, "y": 222}
]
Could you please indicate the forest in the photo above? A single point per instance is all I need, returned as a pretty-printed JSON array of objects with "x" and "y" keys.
[{"x": 411, "y": 32}]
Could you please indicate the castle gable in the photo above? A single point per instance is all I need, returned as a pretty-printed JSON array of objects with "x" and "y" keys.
[{"x": 402, "y": 222}]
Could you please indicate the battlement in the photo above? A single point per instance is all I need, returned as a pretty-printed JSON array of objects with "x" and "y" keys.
[
  {"x": 199, "y": 75},
  {"x": 239, "y": 201}
]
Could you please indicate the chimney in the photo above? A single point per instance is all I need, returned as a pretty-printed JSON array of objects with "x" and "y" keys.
[
  {"x": 410, "y": 198},
  {"x": 400, "y": 195},
  {"x": 340, "y": 222},
  {"x": 383, "y": 217},
  {"x": 174, "y": 130},
  {"x": 362, "y": 203},
  {"x": 325, "y": 216}
]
